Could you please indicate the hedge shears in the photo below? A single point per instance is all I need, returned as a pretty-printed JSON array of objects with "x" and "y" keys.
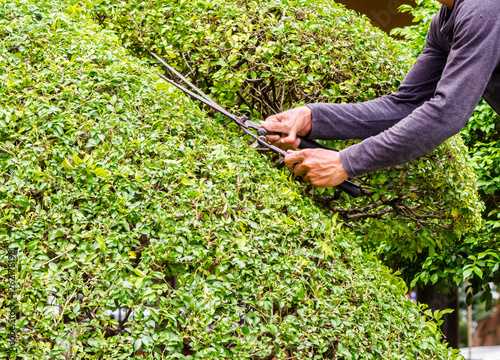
[{"x": 246, "y": 125}]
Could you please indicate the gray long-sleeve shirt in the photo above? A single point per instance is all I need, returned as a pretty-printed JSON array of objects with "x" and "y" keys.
[{"x": 460, "y": 64}]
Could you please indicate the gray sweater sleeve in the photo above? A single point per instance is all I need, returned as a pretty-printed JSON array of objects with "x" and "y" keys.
[
  {"x": 434, "y": 102},
  {"x": 370, "y": 118}
]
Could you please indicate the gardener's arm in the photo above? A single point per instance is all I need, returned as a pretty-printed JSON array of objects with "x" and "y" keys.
[
  {"x": 471, "y": 62},
  {"x": 352, "y": 121},
  {"x": 366, "y": 119}
]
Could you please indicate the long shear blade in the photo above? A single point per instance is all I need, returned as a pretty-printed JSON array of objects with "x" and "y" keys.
[
  {"x": 216, "y": 107},
  {"x": 183, "y": 78},
  {"x": 203, "y": 100}
]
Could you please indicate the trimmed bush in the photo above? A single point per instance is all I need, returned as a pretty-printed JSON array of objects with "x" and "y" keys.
[
  {"x": 252, "y": 55},
  {"x": 110, "y": 184}
]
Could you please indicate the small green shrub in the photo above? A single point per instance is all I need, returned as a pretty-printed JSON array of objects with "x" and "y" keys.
[
  {"x": 422, "y": 13},
  {"x": 482, "y": 136},
  {"x": 108, "y": 184}
]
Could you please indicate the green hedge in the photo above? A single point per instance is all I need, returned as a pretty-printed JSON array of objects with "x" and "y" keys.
[
  {"x": 109, "y": 184},
  {"x": 311, "y": 51}
]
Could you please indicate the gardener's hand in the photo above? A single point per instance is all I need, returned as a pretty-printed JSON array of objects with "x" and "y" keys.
[
  {"x": 290, "y": 123},
  {"x": 322, "y": 168}
]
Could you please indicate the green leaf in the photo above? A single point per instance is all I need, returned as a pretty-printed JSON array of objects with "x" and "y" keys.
[
  {"x": 65, "y": 164},
  {"x": 101, "y": 173},
  {"x": 76, "y": 159},
  {"x": 137, "y": 344},
  {"x": 138, "y": 282},
  {"x": 139, "y": 272},
  {"x": 467, "y": 273},
  {"x": 221, "y": 63},
  {"x": 162, "y": 85},
  {"x": 478, "y": 272},
  {"x": 242, "y": 241},
  {"x": 56, "y": 234}
]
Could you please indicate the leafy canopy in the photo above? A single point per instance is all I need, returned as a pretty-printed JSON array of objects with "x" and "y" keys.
[{"x": 109, "y": 183}]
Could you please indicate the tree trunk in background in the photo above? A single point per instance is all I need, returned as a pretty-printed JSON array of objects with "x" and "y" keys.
[
  {"x": 436, "y": 301},
  {"x": 382, "y": 13}
]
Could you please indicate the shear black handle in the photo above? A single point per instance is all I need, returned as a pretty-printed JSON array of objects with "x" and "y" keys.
[
  {"x": 311, "y": 144},
  {"x": 351, "y": 189}
]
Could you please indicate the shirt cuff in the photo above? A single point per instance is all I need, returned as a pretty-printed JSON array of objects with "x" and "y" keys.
[
  {"x": 313, "y": 135},
  {"x": 347, "y": 163}
]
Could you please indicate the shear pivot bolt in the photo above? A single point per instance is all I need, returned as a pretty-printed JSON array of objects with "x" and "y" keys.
[{"x": 262, "y": 132}]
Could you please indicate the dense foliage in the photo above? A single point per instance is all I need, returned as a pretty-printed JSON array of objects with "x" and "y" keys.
[
  {"x": 422, "y": 13},
  {"x": 476, "y": 258},
  {"x": 262, "y": 57},
  {"x": 110, "y": 184},
  {"x": 482, "y": 135}
]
